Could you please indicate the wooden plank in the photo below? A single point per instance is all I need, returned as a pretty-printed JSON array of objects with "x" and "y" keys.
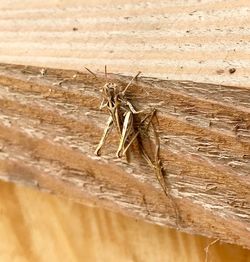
[
  {"x": 32, "y": 222},
  {"x": 51, "y": 124},
  {"x": 181, "y": 40}
]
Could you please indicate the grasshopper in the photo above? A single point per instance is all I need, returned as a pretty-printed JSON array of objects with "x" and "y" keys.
[{"x": 121, "y": 115}]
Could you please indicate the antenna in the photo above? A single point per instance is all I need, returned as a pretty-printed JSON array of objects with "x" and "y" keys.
[
  {"x": 125, "y": 89},
  {"x": 106, "y": 74}
]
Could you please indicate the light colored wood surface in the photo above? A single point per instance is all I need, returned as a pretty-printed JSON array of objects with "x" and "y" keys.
[
  {"x": 183, "y": 40},
  {"x": 49, "y": 132},
  {"x": 178, "y": 40},
  {"x": 35, "y": 226}
]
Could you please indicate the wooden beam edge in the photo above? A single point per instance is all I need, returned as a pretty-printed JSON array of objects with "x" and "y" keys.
[{"x": 50, "y": 125}]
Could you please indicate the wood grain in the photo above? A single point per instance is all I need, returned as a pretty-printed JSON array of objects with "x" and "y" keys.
[
  {"x": 181, "y": 40},
  {"x": 40, "y": 227},
  {"x": 50, "y": 126}
]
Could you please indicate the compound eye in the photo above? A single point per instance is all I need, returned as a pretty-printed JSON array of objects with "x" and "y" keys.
[{"x": 112, "y": 86}]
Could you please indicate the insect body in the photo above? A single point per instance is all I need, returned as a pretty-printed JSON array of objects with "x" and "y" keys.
[{"x": 121, "y": 115}]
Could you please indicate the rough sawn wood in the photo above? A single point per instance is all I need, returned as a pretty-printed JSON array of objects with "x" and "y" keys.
[{"x": 50, "y": 125}]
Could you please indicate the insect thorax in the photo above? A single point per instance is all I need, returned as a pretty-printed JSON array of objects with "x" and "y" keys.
[{"x": 112, "y": 90}]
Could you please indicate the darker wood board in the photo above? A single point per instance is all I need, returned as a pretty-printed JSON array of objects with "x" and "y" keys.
[{"x": 50, "y": 125}]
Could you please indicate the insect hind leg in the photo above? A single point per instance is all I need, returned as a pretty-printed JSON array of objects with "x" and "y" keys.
[{"x": 104, "y": 136}]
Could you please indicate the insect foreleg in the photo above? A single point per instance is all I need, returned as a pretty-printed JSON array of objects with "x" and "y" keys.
[{"x": 102, "y": 105}]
